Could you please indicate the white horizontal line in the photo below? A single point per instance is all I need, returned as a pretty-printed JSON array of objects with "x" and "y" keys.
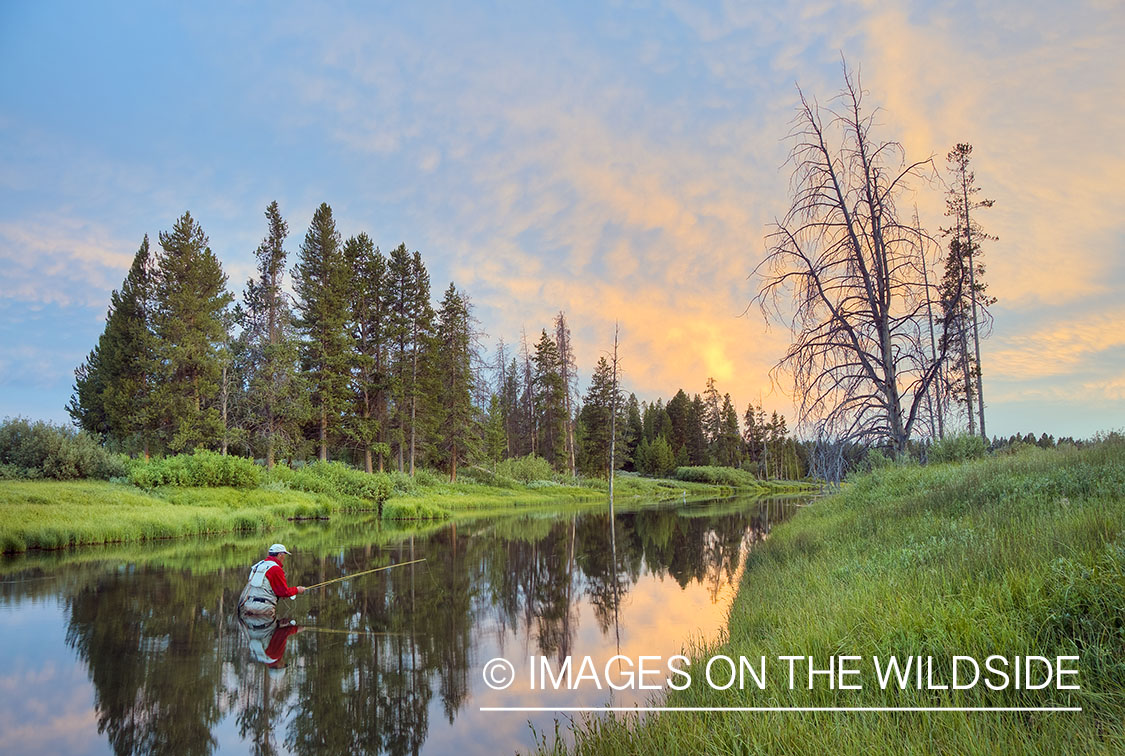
[{"x": 780, "y": 708}]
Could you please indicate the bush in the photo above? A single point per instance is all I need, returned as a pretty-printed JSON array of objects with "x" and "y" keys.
[
  {"x": 717, "y": 476},
  {"x": 486, "y": 477},
  {"x": 335, "y": 479},
  {"x": 526, "y": 469},
  {"x": 876, "y": 459},
  {"x": 44, "y": 450},
  {"x": 957, "y": 449},
  {"x": 426, "y": 478},
  {"x": 202, "y": 469},
  {"x": 402, "y": 483}
]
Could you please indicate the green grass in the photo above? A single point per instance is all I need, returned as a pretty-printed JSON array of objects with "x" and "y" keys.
[
  {"x": 58, "y": 514},
  {"x": 211, "y": 553},
  {"x": 39, "y": 514},
  {"x": 1015, "y": 555}
]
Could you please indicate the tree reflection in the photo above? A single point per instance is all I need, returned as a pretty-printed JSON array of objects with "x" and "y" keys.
[{"x": 384, "y": 652}]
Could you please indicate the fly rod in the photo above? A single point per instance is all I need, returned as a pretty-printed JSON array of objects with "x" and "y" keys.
[{"x": 358, "y": 574}]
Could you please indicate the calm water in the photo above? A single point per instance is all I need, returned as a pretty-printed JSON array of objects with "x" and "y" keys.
[{"x": 138, "y": 649}]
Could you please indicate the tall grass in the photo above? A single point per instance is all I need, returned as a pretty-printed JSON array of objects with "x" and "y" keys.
[
  {"x": 56, "y": 514},
  {"x": 1015, "y": 555}
]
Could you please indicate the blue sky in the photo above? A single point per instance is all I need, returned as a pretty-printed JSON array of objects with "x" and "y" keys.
[{"x": 620, "y": 161}]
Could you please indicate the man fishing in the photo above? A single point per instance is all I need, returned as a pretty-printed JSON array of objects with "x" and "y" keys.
[{"x": 267, "y": 584}]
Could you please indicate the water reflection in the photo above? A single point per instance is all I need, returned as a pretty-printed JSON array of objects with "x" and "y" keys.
[{"x": 389, "y": 662}]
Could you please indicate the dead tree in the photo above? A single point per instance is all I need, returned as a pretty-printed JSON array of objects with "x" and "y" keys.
[{"x": 845, "y": 275}]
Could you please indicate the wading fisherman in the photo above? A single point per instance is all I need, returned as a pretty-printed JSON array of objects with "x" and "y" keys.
[{"x": 267, "y": 584}]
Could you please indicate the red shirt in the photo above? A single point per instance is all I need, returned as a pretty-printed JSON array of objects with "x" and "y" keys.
[
  {"x": 276, "y": 648},
  {"x": 276, "y": 575}
]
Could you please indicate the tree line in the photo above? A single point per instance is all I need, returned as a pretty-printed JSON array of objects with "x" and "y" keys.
[
  {"x": 356, "y": 363},
  {"x": 359, "y": 364}
]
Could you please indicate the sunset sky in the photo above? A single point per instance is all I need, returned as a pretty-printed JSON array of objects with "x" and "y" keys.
[{"x": 619, "y": 161}]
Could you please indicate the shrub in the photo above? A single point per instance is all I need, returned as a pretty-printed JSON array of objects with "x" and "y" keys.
[
  {"x": 336, "y": 478},
  {"x": 876, "y": 459},
  {"x": 426, "y": 478},
  {"x": 718, "y": 476},
  {"x": 957, "y": 448},
  {"x": 204, "y": 469},
  {"x": 402, "y": 483},
  {"x": 45, "y": 450},
  {"x": 486, "y": 477},
  {"x": 526, "y": 469}
]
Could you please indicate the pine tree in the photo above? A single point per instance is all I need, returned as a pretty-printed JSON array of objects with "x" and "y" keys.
[
  {"x": 516, "y": 444},
  {"x": 113, "y": 387},
  {"x": 712, "y": 414},
  {"x": 696, "y": 437},
  {"x": 320, "y": 282},
  {"x": 679, "y": 413},
  {"x": 275, "y": 402},
  {"x": 400, "y": 295},
  {"x": 957, "y": 333},
  {"x": 634, "y": 431},
  {"x": 367, "y": 327},
  {"x": 410, "y": 325},
  {"x": 550, "y": 410},
  {"x": 528, "y": 422},
  {"x": 495, "y": 439},
  {"x": 87, "y": 402},
  {"x": 967, "y": 268},
  {"x": 596, "y": 421},
  {"x": 132, "y": 355},
  {"x": 501, "y": 378},
  {"x": 456, "y": 432},
  {"x": 754, "y": 434},
  {"x": 421, "y": 329},
  {"x": 568, "y": 372},
  {"x": 660, "y": 460},
  {"x": 729, "y": 446},
  {"x": 190, "y": 325}
]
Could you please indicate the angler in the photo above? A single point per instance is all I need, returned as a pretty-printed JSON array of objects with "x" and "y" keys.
[{"x": 267, "y": 584}]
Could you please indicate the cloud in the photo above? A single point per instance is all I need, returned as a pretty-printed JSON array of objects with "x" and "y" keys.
[
  {"x": 1055, "y": 348},
  {"x": 61, "y": 261},
  {"x": 567, "y": 187}
]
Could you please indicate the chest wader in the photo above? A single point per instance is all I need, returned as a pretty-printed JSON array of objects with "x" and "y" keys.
[{"x": 258, "y": 596}]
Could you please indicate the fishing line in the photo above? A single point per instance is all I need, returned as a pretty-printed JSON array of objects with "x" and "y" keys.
[{"x": 365, "y": 572}]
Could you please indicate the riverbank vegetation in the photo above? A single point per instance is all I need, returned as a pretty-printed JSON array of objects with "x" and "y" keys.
[
  {"x": 52, "y": 514},
  {"x": 63, "y": 489},
  {"x": 1010, "y": 554}
]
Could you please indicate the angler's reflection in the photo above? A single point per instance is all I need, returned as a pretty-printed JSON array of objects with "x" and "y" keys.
[{"x": 267, "y": 638}]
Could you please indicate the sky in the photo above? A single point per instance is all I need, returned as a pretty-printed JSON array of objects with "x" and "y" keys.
[{"x": 619, "y": 161}]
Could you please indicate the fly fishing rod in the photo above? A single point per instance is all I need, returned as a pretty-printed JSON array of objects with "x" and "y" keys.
[{"x": 358, "y": 574}]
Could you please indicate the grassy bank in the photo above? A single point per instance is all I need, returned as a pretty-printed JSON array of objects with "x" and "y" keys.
[
  {"x": 1016, "y": 555},
  {"x": 52, "y": 514},
  {"x": 49, "y": 514}
]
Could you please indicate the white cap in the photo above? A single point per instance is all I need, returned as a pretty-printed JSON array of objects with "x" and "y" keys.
[{"x": 278, "y": 548}]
